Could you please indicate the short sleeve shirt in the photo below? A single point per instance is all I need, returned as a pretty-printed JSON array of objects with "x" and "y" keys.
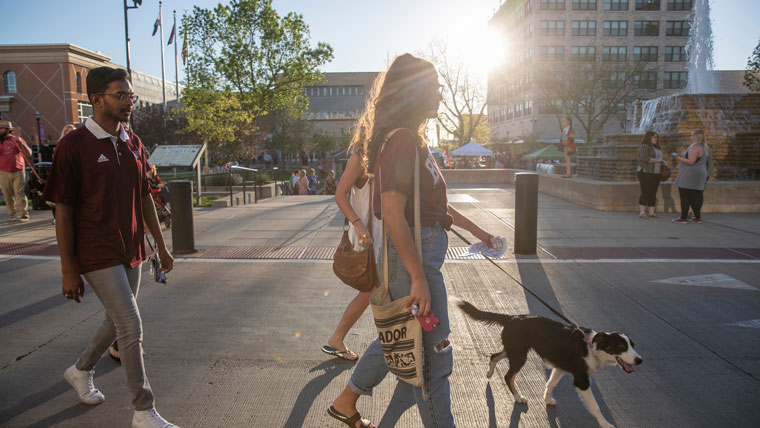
[
  {"x": 11, "y": 158},
  {"x": 394, "y": 170},
  {"x": 104, "y": 179}
]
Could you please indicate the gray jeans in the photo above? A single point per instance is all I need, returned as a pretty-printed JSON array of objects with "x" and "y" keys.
[{"x": 116, "y": 287}]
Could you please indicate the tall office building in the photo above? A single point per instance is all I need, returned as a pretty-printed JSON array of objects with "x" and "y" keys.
[{"x": 544, "y": 35}]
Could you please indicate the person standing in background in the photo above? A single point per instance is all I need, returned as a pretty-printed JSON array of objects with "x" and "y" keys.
[
  {"x": 648, "y": 172},
  {"x": 13, "y": 149},
  {"x": 330, "y": 184},
  {"x": 567, "y": 144},
  {"x": 692, "y": 177},
  {"x": 312, "y": 182}
]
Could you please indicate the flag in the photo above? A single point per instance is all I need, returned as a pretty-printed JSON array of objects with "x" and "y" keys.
[
  {"x": 156, "y": 24},
  {"x": 171, "y": 36},
  {"x": 184, "y": 49}
]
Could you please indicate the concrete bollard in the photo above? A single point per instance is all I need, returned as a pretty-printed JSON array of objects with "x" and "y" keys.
[
  {"x": 183, "y": 239},
  {"x": 526, "y": 212}
]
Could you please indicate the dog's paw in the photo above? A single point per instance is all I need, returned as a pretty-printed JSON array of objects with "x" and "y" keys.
[
  {"x": 519, "y": 399},
  {"x": 550, "y": 401}
]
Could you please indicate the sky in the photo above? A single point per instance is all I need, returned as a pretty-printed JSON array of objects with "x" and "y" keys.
[{"x": 364, "y": 34}]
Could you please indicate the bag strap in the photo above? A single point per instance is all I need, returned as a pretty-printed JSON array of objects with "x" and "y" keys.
[{"x": 417, "y": 221}]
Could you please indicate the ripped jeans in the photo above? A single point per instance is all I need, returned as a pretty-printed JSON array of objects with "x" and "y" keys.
[{"x": 438, "y": 364}]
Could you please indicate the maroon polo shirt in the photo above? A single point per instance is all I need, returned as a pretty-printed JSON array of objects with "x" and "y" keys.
[
  {"x": 394, "y": 170},
  {"x": 105, "y": 185}
]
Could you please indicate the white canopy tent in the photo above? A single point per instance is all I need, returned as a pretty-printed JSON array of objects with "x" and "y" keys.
[{"x": 472, "y": 149}]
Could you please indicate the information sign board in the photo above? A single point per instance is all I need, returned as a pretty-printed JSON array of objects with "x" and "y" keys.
[{"x": 175, "y": 155}]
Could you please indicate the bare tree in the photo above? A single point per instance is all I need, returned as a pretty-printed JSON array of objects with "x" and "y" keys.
[
  {"x": 464, "y": 96},
  {"x": 591, "y": 91}
]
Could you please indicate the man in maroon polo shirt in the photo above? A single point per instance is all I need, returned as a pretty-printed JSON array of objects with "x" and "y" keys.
[{"x": 98, "y": 182}]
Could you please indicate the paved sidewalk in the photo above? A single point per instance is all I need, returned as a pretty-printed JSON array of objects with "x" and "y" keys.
[{"x": 233, "y": 339}]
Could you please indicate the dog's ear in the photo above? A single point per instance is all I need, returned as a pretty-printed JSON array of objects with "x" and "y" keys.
[{"x": 600, "y": 339}]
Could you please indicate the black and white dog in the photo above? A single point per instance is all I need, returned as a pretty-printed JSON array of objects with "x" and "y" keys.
[{"x": 570, "y": 350}]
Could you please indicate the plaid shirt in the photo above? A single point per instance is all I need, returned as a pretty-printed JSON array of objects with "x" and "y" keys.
[{"x": 646, "y": 152}]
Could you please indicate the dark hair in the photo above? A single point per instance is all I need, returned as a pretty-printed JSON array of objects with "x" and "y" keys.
[
  {"x": 393, "y": 103},
  {"x": 99, "y": 78},
  {"x": 648, "y": 139},
  {"x": 568, "y": 118}
]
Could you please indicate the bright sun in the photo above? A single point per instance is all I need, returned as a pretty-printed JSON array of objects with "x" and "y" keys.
[{"x": 481, "y": 49}]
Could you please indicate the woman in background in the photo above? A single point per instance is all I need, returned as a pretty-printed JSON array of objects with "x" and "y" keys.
[
  {"x": 692, "y": 177},
  {"x": 648, "y": 172}
]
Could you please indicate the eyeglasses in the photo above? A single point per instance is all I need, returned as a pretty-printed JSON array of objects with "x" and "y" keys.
[{"x": 123, "y": 96}]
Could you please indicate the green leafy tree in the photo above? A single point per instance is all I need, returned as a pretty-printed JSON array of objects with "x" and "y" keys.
[
  {"x": 481, "y": 134},
  {"x": 752, "y": 74},
  {"x": 156, "y": 127},
  {"x": 245, "y": 61}
]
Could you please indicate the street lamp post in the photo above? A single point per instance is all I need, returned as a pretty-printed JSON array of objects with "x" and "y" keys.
[
  {"x": 37, "y": 116},
  {"x": 135, "y": 4}
]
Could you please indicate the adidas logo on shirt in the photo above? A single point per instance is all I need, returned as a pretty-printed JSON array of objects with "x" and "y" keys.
[{"x": 102, "y": 158}]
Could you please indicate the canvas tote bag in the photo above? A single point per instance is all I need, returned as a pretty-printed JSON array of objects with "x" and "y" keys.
[{"x": 399, "y": 331}]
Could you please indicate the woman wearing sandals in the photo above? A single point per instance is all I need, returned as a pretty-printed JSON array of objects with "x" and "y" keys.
[
  {"x": 648, "y": 173},
  {"x": 403, "y": 99},
  {"x": 693, "y": 173}
]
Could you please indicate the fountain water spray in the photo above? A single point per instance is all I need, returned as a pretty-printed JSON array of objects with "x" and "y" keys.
[{"x": 699, "y": 51}]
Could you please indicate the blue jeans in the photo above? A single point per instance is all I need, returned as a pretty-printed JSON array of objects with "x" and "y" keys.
[{"x": 438, "y": 364}]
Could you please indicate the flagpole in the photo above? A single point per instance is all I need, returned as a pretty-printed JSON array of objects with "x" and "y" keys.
[
  {"x": 163, "y": 68},
  {"x": 176, "y": 64}
]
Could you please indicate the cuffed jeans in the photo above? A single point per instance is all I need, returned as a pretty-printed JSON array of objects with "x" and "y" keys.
[
  {"x": 438, "y": 364},
  {"x": 117, "y": 287},
  {"x": 12, "y": 185}
]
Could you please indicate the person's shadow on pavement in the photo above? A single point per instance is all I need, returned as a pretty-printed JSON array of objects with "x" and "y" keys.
[
  {"x": 668, "y": 203},
  {"x": 330, "y": 370},
  {"x": 402, "y": 400}
]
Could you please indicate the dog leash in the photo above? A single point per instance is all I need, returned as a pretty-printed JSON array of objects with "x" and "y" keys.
[{"x": 556, "y": 312}]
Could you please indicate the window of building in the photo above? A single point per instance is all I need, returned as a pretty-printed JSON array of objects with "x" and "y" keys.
[
  {"x": 583, "y": 53},
  {"x": 614, "y": 79},
  {"x": 361, "y": 91},
  {"x": 645, "y": 53},
  {"x": 674, "y": 80},
  {"x": 615, "y": 28},
  {"x": 647, "y": 28},
  {"x": 647, "y": 4},
  {"x": 584, "y": 28},
  {"x": 614, "y": 53},
  {"x": 552, "y": 4},
  {"x": 677, "y": 28},
  {"x": 645, "y": 80},
  {"x": 10, "y": 82},
  {"x": 675, "y": 54},
  {"x": 529, "y": 31},
  {"x": 79, "y": 82},
  {"x": 615, "y": 4},
  {"x": 584, "y": 4},
  {"x": 85, "y": 111},
  {"x": 551, "y": 53},
  {"x": 680, "y": 4},
  {"x": 550, "y": 107},
  {"x": 552, "y": 28}
]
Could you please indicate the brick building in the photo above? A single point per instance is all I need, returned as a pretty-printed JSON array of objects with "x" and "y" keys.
[{"x": 51, "y": 79}]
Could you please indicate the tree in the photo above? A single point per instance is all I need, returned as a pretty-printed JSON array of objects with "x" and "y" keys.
[
  {"x": 590, "y": 91},
  {"x": 482, "y": 133},
  {"x": 156, "y": 127},
  {"x": 464, "y": 97},
  {"x": 245, "y": 61},
  {"x": 752, "y": 73}
]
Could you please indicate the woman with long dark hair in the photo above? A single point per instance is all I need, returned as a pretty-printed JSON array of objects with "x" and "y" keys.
[
  {"x": 648, "y": 173},
  {"x": 391, "y": 130}
]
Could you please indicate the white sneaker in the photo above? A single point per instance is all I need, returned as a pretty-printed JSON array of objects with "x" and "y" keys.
[
  {"x": 82, "y": 383},
  {"x": 150, "y": 419}
]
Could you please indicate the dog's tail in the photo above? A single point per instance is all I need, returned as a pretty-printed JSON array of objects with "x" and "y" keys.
[{"x": 488, "y": 318}]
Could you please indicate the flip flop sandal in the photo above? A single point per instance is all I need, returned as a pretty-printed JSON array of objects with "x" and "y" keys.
[
  {"x": 654, "y": 216},
  {"x": 346, "y": 355},
  {"x": 643, "y": 216},
  {"x": 349, "y": 421}
]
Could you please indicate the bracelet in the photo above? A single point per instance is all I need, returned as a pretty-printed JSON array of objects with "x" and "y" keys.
[{"x": 358, "y": 219}]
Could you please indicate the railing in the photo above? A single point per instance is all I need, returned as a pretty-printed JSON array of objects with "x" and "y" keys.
[{"x": 229, "y": 177}]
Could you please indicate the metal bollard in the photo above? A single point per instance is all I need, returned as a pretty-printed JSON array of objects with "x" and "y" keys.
[
  {"x": 526, "y": 212},
  {"x": 183, "y": 239}
]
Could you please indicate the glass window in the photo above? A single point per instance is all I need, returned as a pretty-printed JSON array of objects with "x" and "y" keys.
[
  {"x": 647, "y": 28},
  {"x": 79, "y": 82},
  {"x": 361, "y": 91},
  {"x": 645, "y": 53},
  {"x": 645, "y": 80},
  {"x": 615, "y": 28},
  {"x": 675, "y": 54},
  {"x": 674, "y": 80},
  {"x": 584, "y": 4},
  {"x": 647, "y": 4},
  {"x": 552, "y": 53},
  {"x": 615, "y": 4},
  {"x": 614, "y": 79},
  {"x": 10, "y": 82},
  {"x": 584, "y": 28},
  {"x": 552, "y": 28},
  {"x": 583, "y": 53},
  {"x": 614, "y": 53},
  {"x": 85, "y": 111},
  {"x": 677, "y": 28},
  {"x": 680, "y": 4},
  {"x": 552, "y": 4},
  {"x": 529, "y": 31}
]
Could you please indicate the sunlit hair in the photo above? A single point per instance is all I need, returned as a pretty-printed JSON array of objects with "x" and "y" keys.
[
  {"x": 648, "y": 139},
  {"x": 66, "y": 129},
  {"x": 395, "y": 101},
  {"x": 701, "y": 134}
]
